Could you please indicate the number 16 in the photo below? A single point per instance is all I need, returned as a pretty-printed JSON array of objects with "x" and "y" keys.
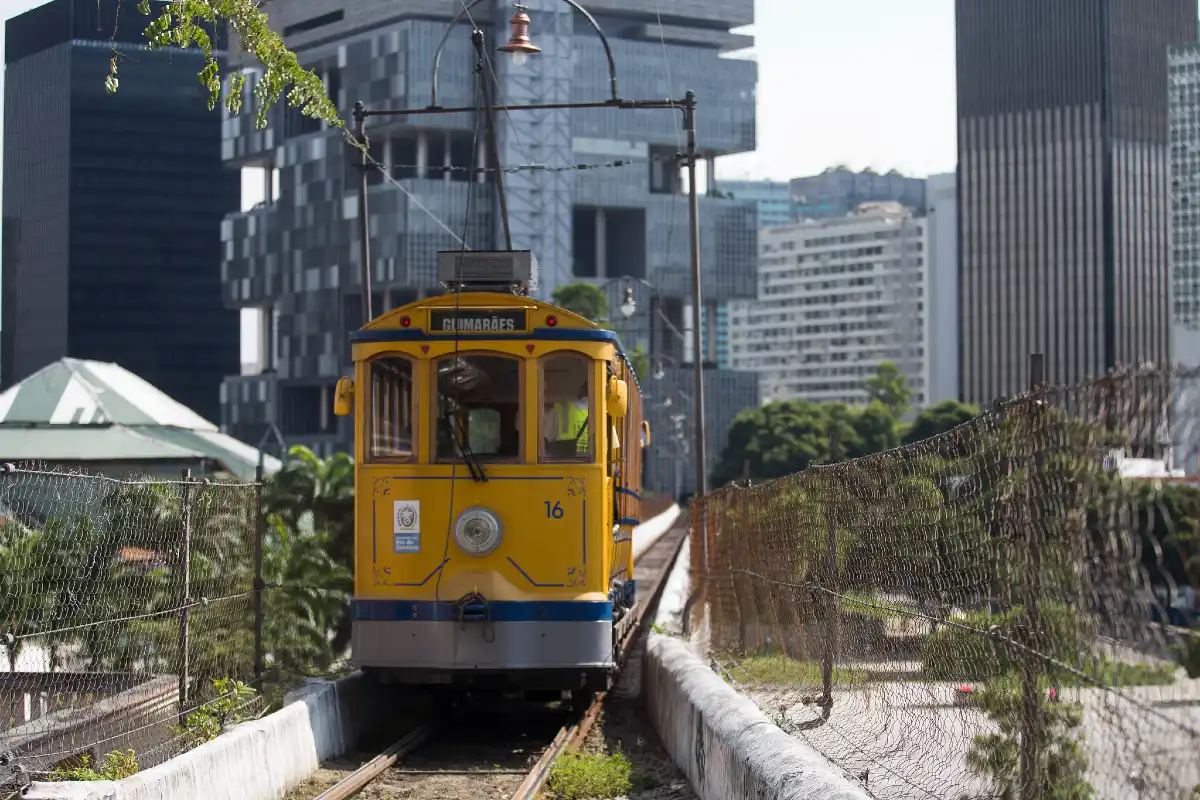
[{"x": 555, "y": 511}]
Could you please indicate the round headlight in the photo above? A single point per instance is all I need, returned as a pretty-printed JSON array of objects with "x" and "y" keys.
[{"x": 477, "y": 531}]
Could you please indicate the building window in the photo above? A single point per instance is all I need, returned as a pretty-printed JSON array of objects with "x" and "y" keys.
[
  {"x": 566, "y": 402},
  {"x": 391, "y": 412},
  {"x": 478, "y": 406}
]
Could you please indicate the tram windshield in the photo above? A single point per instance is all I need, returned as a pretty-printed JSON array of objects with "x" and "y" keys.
[
  {"x": 566, "y": 408},
  {"x": 478, "y": 405}
]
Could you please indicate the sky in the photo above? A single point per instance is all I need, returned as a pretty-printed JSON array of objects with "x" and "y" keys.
[
  {"x": 859, "y": 82},
  {"x": 866, "y": 83}
]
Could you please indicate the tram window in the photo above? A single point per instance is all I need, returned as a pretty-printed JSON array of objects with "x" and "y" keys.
[
  {"x": 566, "y": 419},
  {"x": 480, "y": 397},
  {"x": 391, "y": 429}
]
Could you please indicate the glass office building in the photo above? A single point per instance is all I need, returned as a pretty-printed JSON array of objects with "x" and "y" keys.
[
  {"x": 112, "y": 205},
  {"x": 294, "y": 259},
  {"x": 773, "y": 199}
]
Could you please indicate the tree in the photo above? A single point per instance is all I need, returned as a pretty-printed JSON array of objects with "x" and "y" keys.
[
  {"x": 939, "y": 418},
  {"x": 23, "y": 600},
  {"x": 875, "y": 426},
  {"x": 776, "y": 439},
  {"x": 188, "y": 23},
  {"x": 324, "y": 488},
  {"x": 585, "y": 299},
  {"x": 1062, "y": 767},
  {"x": 307, "y": 600},
  {"x": 889, "y": 386},
  {"x": 787, "y": 436}
]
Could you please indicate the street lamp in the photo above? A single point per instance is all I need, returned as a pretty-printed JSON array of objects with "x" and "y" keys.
[
  {"x": 628, "y": 304},
  {"x": 521, "y": 46}
]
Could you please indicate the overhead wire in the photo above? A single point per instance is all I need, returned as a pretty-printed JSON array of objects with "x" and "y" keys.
[{"x": 388, "y": 177}]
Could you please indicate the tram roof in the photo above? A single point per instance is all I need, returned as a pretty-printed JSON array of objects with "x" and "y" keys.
[{"x": 570, "y": 327}]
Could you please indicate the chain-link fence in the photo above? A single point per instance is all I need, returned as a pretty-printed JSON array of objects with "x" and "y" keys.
[
  {"x": 1005, "y": 610},
  {"x": 144, "y": 615}
]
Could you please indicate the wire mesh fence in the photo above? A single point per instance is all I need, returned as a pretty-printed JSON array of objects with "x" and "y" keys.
[
  {"x": 1005, "y": 610},
  {"x": 143, "y": 615}
]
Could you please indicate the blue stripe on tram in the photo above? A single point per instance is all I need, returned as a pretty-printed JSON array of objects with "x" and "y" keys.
[{"x": 499, "y": 611}]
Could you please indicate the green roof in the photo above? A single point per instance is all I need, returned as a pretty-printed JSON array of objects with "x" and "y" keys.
[{"x": 75, "y": 410}]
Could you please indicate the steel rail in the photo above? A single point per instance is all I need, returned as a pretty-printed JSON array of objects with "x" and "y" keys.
[
  {"x": 569, "y": 737},
  {"x": 573, "y": 736},
  {"x": 356, "y": 781}
]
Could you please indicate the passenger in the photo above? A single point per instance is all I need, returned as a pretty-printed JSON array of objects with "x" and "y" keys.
[{"x": 565, "y": 425}]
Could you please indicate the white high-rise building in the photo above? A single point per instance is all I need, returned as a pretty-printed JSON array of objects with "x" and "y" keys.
[
  {"x": 1184, "y": 132},
  {"x": 941, "y": 288},
  {"x": 837, "y": 298}
]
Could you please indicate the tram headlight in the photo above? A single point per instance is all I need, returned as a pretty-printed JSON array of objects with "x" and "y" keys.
[{"x": 477, "y": 531}]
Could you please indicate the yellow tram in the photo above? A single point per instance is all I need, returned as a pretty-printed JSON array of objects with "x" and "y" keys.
[{"x": 498, "y": 465}]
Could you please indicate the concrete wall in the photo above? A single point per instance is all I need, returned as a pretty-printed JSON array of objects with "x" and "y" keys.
[
  {"x": 259, "y": 760},
  {"x": 725, "y": 746}
]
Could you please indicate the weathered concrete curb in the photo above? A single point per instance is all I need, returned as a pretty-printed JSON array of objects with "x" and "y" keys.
[
  {"x": 259, "y": 760},
  {"x": 726, "y": 746}
]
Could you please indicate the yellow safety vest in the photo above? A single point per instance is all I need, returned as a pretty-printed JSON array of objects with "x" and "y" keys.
[{"x": 571, "y": 421}]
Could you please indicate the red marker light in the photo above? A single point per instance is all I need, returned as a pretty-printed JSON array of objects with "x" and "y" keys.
[
  {"x": 405, "y": 322},
  {"x": 551, "y": 321}
]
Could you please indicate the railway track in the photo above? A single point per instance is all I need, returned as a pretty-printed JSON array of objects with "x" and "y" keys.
[{"x": 453, "y": 757}]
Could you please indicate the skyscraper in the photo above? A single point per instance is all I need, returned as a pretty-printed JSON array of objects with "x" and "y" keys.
[
  {"x": 294, "y": 260},
  {"x": 112, "y": 204},
  {"x": 1063, "y": 186}
]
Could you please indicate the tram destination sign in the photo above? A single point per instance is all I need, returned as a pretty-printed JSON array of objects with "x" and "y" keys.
[{"x": 478, "y": 320}]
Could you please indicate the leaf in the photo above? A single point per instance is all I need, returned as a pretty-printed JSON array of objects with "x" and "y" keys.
[{"x": 183, "y": 23}]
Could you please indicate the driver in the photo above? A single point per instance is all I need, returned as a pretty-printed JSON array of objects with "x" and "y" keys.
[{"x": 567, "y": 420}]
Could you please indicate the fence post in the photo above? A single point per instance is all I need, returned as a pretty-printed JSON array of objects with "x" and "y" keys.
[
  {"x": 831, "y": 622},
  {"x": 737, "y": 559},
  {"x": 185, "y": 592},
  {"x": 1031, "y": 716},
  {"x": 260, "y": 532}
]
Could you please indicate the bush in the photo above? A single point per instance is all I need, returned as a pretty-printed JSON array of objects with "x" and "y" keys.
[
  {"x": 209, "y": 721},
  {"x": 952, "y": 653},
  {"x": 590, "y": 777},
  {"x": 1063, "y": 763},
  {"x": 116, "y": 765}
]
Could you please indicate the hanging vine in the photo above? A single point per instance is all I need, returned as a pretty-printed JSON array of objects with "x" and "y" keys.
[{"x": 180, "y": 23}]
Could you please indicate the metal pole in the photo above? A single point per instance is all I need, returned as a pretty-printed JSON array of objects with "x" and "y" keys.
[
  {"x": 1031, "y": 722},
  {"x": 185, "y": 591},
  {"x": 701, "y": 455},
  {"x": 493, "y": 148},
  {"x": 260, "y": 532},
  {"x": 364, "y": 227},
  {"x": 831, "y": 609}
]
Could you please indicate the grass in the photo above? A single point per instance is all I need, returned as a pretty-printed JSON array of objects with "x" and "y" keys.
[
  {"x": 576, "y": 776},
  {"x": 1132, "y": 674},
  {"x": 115, "y": 766},
  {"x": 781, "y": 669}
]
